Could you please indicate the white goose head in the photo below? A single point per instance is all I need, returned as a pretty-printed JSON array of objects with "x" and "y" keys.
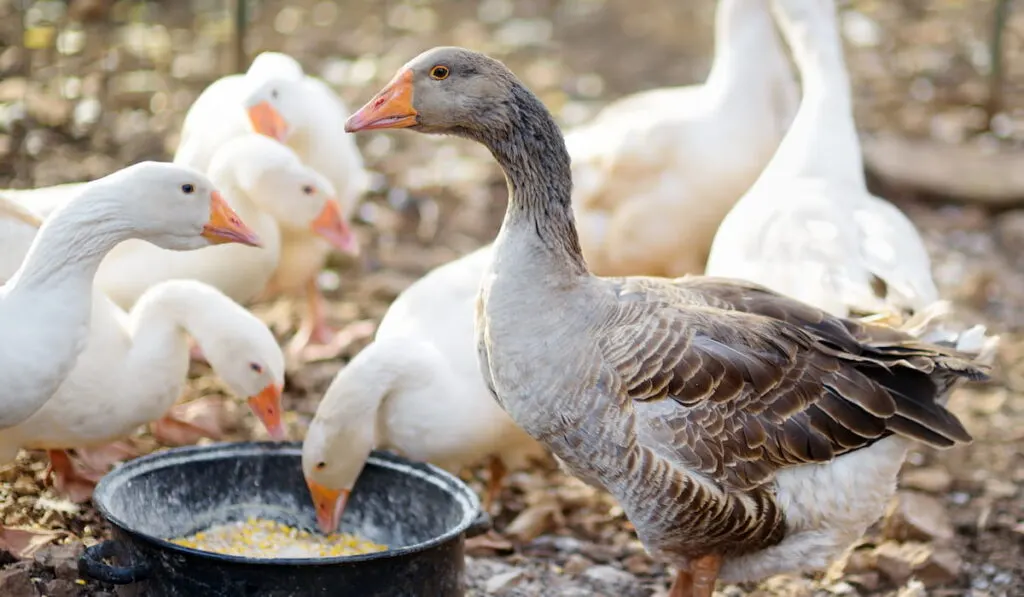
[
  {"x": 276, "y": 180},
  {"x": 169, "y": 205}
]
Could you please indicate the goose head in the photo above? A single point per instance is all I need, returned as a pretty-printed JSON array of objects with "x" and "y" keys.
[
  {"x": 275, "y": 83},
  {"x": 174, "y": 207},
  {"x": 274, "y": 64},
  {"x": 444, "y": 90},
  {"x": 349, "y": 422},
  {"x": 240, "y": 348},
  {"x": 275, "y": 179},
  {"x": 277, "y": 107},
  {"x": 342, "y": 435}
]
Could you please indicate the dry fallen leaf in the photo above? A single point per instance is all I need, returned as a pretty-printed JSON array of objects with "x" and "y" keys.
[
  {"x": 185, "y": 424},
  {"x": 23, "y": 542}
]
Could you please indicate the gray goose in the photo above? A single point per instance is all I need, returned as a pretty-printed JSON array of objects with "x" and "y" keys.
[{"x": 744, "y": 433}]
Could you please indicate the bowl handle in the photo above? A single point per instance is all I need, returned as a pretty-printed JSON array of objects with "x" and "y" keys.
[
  {"x": 91, "y": 564},
  {"x": 480, "y": 525}
]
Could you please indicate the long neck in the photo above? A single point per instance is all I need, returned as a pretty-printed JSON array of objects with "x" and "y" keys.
[
  {"x": 747, "y": 48},
  {"x": 532, "y": 153},
  {"x": 156, "y": 366},
  {"x": 72, "y": 242},
  {"x": 823, "y": 138}
]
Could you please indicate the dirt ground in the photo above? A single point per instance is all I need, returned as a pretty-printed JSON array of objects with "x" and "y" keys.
[{"x": 86, "y": 98}]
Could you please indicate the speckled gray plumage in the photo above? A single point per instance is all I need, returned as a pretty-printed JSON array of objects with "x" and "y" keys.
[{"x": 686, "y": 399}]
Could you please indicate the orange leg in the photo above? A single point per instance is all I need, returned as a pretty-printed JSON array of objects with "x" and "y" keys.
[
  {"x": 67, "y": 479},
  {"x": 317, "y": 340},
  {"x": 314, "y": 328},
  {"x": 697, "y": 580},
  {"x": 497, "y": 470},
  {"x": 185, "y": 424},
  {"x": 195, "y": 353},
  {"x": 101, "y": 458}
]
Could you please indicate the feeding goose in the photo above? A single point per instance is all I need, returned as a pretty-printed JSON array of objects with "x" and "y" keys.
[
  {"x": 417, "y": 389},
  {"x": 743, "y": 432}
]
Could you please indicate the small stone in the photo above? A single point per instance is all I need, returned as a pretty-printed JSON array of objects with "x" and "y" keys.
[
  {"x": 599, "y": 553},
  {"x": 576, "y": 564},
  {"x": 500, "y": 583},
  {"x": 16, "y": 580},
  {"x": 60, "y": 587},
  {"x": 11, "y": 59},
  {"x": 942, "y": 567},
  {"x": 929, "y": 479},
  {"x": 609, "y": 577},
  {"x": 916, "y": 516},
  {"x": 1010, "y": 231},
  {"x": 48, "y": 110},
  {"x": 1000, "y": 488},
  {"x": 932, "y": 567},
  {"x": 868, "y": 582},
  {"x": 896, "y": 561},
  {"x": 63, "y": 559},
  {"x": 13, "y": 89},
  {"x": 638, "y": 564},
  {"x": 565, "y": 544}
]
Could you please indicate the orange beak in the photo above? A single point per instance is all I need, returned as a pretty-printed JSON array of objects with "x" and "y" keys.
[
  {"x": 329, "y": 503},
  {"x": 332, "y": 227},
  {"x": 225, "y": 226},
  {"x": 266, "y": 120},
  {"x": 267, "y": 407},
  {"x": 389, "y": 109}
]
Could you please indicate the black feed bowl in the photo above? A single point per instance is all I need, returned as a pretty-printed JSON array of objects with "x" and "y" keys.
[{"x": 420, "y": 512}]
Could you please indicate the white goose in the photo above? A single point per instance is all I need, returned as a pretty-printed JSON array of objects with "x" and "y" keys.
[
  {"x": 217, "y": 115},
  {"x": 134, "y": 367},
  {"x": 267, "y": 185},
  {"x": 45, "y": 305},
  {"x": 416, "y": 389},
  {"x": 276, "y": 98},
  {"x": 655, "y": 173},
  {"x": 310, "y": 118},
  {"x": 809, "y": 228}
]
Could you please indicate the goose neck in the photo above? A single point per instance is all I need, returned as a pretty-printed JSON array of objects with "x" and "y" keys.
[{"x": 531, "y": 151}]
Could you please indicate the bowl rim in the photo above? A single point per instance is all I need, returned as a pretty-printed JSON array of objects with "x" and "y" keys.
[{"x": 452, "y": 485}]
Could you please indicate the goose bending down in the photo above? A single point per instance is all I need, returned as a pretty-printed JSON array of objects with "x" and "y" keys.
[
  {"x": 744, "y": 433},
  {"x": 45, "y": 304},
  {"x": 655, "y": 173},
  {"x": 809, "y": 228},
  {"x": 267, "y": 184},
  {"x": 134, "y": 366},
  {"x": 416, "y": 389},
  {"x": 277, "y": 99}
]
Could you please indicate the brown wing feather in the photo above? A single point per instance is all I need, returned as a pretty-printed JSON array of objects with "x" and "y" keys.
[{"x": 764, "y": 382}]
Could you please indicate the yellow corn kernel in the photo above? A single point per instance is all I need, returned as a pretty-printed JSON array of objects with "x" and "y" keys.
[{"x": 262, "y": 538}]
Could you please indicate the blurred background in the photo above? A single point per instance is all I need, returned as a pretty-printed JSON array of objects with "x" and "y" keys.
[{"x": 89, "y": 86}]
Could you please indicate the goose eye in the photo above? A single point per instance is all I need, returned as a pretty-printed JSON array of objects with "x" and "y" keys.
[
  {"x": 440, "y": 73},
  {"x": 273, "y": 93},
  {"x": 256, "y": 367},
  {"x": 321, "y": 465},
  {"x": 308, "y": 189},
  {"x": 188, "y": 189}
]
